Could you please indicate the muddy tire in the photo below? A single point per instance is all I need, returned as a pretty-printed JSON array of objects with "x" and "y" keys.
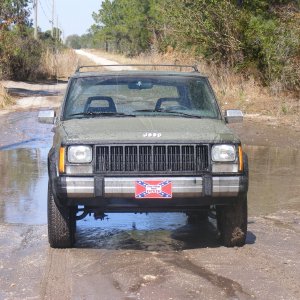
[
  {"x": 232, "y": 223},
  {"x": 61, "y": 224}
]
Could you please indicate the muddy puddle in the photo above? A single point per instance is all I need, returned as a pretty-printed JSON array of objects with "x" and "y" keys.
[
  {"x": 274, "y": 179},
  {"x": 23, "y": 178},
  {"x": 274, "y": 185}
]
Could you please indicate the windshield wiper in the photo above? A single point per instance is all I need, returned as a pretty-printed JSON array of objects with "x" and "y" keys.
[
  {"x": 173, "y": 112},
  {"x": 180, "y": 113},
  {"x": 147, "y": 110},
  {"x": 101, "y": 114}
]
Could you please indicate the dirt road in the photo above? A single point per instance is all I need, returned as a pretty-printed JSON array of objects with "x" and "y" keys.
[
  {"x": 184, "y": 263},
  {"x": 155, "y": 256}
]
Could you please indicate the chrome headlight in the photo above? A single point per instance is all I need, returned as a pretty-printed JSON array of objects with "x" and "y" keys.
[
  {"x": 80, "y": 154},
  {"x": 223, "y": 153}
]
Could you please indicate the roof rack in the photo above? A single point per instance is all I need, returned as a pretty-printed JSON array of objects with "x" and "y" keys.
[{"x": 194, "y": 67}]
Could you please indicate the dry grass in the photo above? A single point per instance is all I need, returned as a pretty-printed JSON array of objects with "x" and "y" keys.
[
  {"x": 60, "y": 64},
  {"x": 84, "y": 61},
  {"x": 233, "y": 90},
  {"x": 5, "y": 99}
]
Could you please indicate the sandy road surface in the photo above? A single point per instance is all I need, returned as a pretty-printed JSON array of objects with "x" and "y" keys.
[
  {"x": 103, "y": 61},
  {"x": 171, "y": 260}
]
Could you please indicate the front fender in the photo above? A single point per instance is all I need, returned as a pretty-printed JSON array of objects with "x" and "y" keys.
[{"x": 54, "y": 179}]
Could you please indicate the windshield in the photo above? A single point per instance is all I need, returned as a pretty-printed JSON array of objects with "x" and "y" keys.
[{"x": 133, "y": 96}]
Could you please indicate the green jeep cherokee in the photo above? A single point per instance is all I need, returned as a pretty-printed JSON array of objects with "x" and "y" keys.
[{"x": 144, "y": 141}]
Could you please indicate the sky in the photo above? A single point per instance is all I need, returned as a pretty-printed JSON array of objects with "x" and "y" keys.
[{"x": 74, "y": 16}]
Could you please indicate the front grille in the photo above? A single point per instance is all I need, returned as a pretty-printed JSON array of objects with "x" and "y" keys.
[{"x": 150, "y": 159}]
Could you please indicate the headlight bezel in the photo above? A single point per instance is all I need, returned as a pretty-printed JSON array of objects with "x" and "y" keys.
[
  {"x": 233, "y": 164},
  {"x": 80, "y": 154}
]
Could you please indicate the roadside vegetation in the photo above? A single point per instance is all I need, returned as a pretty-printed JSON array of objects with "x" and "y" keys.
[
  {"x": 24, "y": 58},
  {"x": 250, "y": 48},
  {"x": 20, "y": 53},
  {"x": 5, "y": 99},
  {"x": 232, "y": 89},
  {"x": 59, "y": 64}
]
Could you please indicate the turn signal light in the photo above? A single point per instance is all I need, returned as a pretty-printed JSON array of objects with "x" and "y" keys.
[
  {"x": 61, "y": 163},
  {"x": 241, "y": 163}
]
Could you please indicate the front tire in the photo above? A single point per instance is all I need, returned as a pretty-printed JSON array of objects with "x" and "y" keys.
[
  {"x": 61, "y": 227},
  {"x": 232, "y": 223}
]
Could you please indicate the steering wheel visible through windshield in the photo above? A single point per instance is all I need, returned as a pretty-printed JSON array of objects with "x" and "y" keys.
[{"x": 151, "y": 96}]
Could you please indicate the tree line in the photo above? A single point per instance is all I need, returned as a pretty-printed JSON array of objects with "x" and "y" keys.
[{"x": 260, "y": 36}]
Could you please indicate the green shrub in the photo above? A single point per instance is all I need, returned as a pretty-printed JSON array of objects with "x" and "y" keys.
[
  {"x": 273, "y": 45},
  {"x": 22, "y": 57},
  {"x": 260, "y": 37},
  {"x": 20, "y": 54}
]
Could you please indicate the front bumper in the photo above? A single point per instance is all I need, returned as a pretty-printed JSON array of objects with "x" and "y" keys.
[
  {"x": 124, "y": 187},
  {"x": 117, "y": 194}
]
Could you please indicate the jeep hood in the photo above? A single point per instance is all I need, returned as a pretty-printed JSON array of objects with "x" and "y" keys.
[{"x": 144, "y": 130}]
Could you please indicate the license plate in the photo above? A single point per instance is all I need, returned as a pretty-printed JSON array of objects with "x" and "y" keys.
[{"x": 153, "y": 189}]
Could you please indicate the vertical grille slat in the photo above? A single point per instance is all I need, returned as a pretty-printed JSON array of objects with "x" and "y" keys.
[
  {"x": 202, "y": 162},
  {"x": 188, "y": 162},
  {"x": 174, "y": 158},
  {"x": 159, "y": 157},
  {"x": 150, "y": 159},
  {"x": 145, "y": 158},
  {"x": 102, "y": 162},
  {"x": 131, "y": 158},
  {"x": 116, "y": 162}
]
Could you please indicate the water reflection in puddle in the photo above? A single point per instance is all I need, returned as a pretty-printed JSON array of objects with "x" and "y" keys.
[
  {"x": 274, "y": 179},
  {"x": 23, "y": 181},
  {"x": 175, "y": 237},
  {"x": 274, "y": 185}
]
